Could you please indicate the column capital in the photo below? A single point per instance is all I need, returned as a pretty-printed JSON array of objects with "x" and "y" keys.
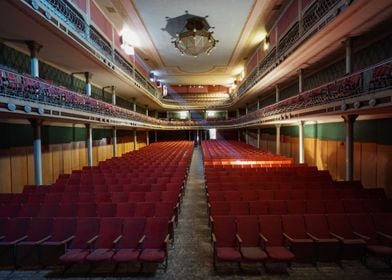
[
  {"x": 301, "y": 122},
  {"x": 88, "y": 76},
  {"x": 35, "y": 122},
  {"x": 350, "y": 118},
  {"x": 34, "y": 47},
  {"x": 278, "y": 125}
]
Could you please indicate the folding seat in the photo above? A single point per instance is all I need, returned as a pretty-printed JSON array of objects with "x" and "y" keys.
[
  {"x": 281, "y": 195},
  {"x": 251, "y": 244},
  {"x": 144, "y": 209},
  {"x": 67, "y": 210},
  {"x": 71, "y": 197},
  {"x": 97, "y": 188},
  {"x": 35, "y": 198},
  {"x": 219, "y": 208},
  {"x": 155, "y": 241},
  {"x": 353, "y": 206},
  {"x": 372, "y": 206},
  {"x": 352, "y": 247},
  {"x": 152, "y": 196},
  {"x": 103, "y": 248},
  {"x": 62, "y": 232},
  {"x": 299, "y": 242},
  {"x": 249, "y": 195},
  {"x": 334, "y": 206},
  {"x": 106, "y": 209},
  {"x": 125, "y": 209},
  {"x": 296, "y": 207},
  {"x": 15, "y": 232},
  {"x": 377, "y": 243},
  {"x": 383, "y": 222},
  {"x": 314, "y": 195},
  {"x": 3, "y": 223},
  {"x": 158, "y": 187},
  {"x": 38, "y": 231},
  {"x": 29, "y": 210},
  {"x": 86, "y": 198},
  {"x": 114, "y": 187},
  {"x": 129, "y": 246},
  {"x": 53, "y": 198},
  {"x": 232, "y": 196},
  {"x": 327, "y": 247},
  {"x": 9, "y": 209},
  {"x": 86, "y": 210},
  {"x": 166, "y": 210},
  {"x": 277, "y": 207},
  {"x": 315, "y": 207},
  {"x": 239, "y": 208},
  {"x": 331, "y": 194},
  {"x": 272, "y": 234},
  {"x": 136, "y": 196},
  {"x": 48, "y": 210},
  {"x": 374, "y": 193},
  {"x": 298, "y": 194},
  {"x": 226, "y": 243},
  {"x": 78, "y": 248},
  {"x": 265, "y": 194},
  {"x": 118, "y": 197},
  {"x": 86, "y": 188},
  {"x": 171, "y": 196},
  {"x": 258, "y": 207},
  {"x": 102, "y": 197}
]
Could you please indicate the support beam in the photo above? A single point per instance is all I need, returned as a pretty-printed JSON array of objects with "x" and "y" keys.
[
  {"x": 277, "y": 93},
  {"x": 349, "y": 124},
  {"x": 278, "y": 138},
  {"x": 258, "y": 138},
  {"x": 134, "y": 140},
  {"x": 114, "y": 141},
  {"x": 300, "y": 80},
  {"x": 301, "y": 142},
  {"x": 88, "y": 76},
  {"x": 348, "y": 46},
  {"x": 113, "y": 95},
  {"x": 34, "y": 49},
  {"x": 37, "y": 124},
  {"x": 89, "y": 145}
]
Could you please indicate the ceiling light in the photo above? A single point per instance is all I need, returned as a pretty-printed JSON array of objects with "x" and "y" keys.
[{"x": 195, "y": 39}]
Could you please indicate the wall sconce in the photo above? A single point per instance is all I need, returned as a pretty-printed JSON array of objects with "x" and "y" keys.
[
  {"x": 126, "y": 46},
  {"x": 266, "y": 42}
]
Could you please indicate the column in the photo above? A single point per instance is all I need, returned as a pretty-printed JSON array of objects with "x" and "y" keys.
[
  {"x": 134, "y": 140},
  {"x": 114, "y": 141},
  {"x": 301, "y": 142},
  {"x": 34, "y": 48},
  {"x": 89, "y": 145},
  {"x": 278, "y": 138},
  {"x": 238, "y": 112},
  {"x": 258, "y": 104},
  {"x": 349, "y": 124},
  {"x": 239, "y": 135},
  {"x": 227, "y": 115},
  {"x": 37, "y": 124},
  {"x": 246, "y": 108},
  {"x": 156, "y": 135},
  {"x": 300, "y": 80},
  {"x": 134, "y": 104},
  {"x": 348, "y": 46},
  {"x": 258, "y": 138},
  {"x": 246, "y": 136},
  {"x": 88, "y": 76},
  {"x": 277, "y": 93},
  {"x": 147, "y": 138},
  {"x": 189, "y": 135},
  {"x": 113, "y": 95}
]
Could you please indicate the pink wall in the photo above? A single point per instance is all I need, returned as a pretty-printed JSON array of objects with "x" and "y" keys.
[
  {"x": 81, "y": 4},
  {"x": 99, "y": 19},
  {"x": 290, "y": 16},
  {"x": 305, "y": 3}
]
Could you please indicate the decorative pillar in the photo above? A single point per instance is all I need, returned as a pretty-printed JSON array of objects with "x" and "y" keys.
[
  {"x": 349, "y": 123},
  {"x": 277, "y": 93},
  {"x": 301, "y": 142},
  {"x": 134, "y": 140},
  {"x": 278, "y": 138},
  {"x": 238, "y": 112},
  {"x": 227, "y": 115},
  {"x": 134, "y": 104},
  {"x": 88, "y": 76},
  {"x": 348, "y": 45},
  {"x": 246, "y": 136},
  {"x": 113, "y": 95},
  {"x": 300, "y": 80},
  {"x": 156, "y": 135},
  {"x": 114, "y": 141},
  {"x": 239, "y": 135},
  {"x": 37, "y": 124},
  {"x": 258, "y": 104},
  {"x": 258, "y": 138},
  {"x": 246, "y": 108},
  {"x": 89, "y": 145},
  {"x": 34, "y": 49}
]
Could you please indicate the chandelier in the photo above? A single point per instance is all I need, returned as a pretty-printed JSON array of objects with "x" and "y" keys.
[{"x": 195, "y": 38}]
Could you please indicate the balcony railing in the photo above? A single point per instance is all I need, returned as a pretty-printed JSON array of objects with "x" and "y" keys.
[{"x": 370, "y": 80}]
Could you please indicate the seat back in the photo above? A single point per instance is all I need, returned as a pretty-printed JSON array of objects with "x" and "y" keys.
[
  {"x": 155, "y": 231},
  {"x": 294, "y": 226},
  {"x": 62, "y": 228},
  {"x": 118, "y": 197},
  {"x": 315, "y": 207},
  {"x": 363, "y": 224},
  {"x": 353, "y": 206},
  {"x": 239, "y": 208},
  {"x": 86, "y": 210},
  {"x": 67, "y": 210},
  {"x": 39, "y": 228},
  {"x": 248, "y": 230},
  {"x": 383, "y": 222},
  {"x": 106, "y": 210},
  {"x": 145, "y": 209},
  {"x": 164, "y": 209},
  {"x": 225, "y": 231},
  {"x": 136, "y": 196},
  {"x": 316, "y": 224},
  {"x": 133, "y": 230},
  {"x": 277, "y": 207},
  {"x": 296, "y": 206},
  {"x": 258, "y": 207},
  {"x": 86, "y": 228},
  {"x": 340, "y": 224},
  {"x": 219, "y": 208},
  {"x": 271, "y": 228},
  {"x": 334, "y": 206},
  {"x": 15, "y": 228},
  {"x": 48, "y": 210},
  {"x": 154, "y": 196},
  {"x": 29, "y": 210},
  {"x": 125, "y": 209},
  {"x": 109, "y": 230}
]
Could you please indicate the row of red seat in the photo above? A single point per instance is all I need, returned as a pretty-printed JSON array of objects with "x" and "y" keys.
[
  {"x": 281, "y": 207},
  {"x": 86, "y": 240},
  {"x": 308, "y": 238}
]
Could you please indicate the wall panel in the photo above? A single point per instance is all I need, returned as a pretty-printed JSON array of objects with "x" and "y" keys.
[
  {"x": 384, "y": 167},
  {"x": 369, "y": 164},
  {"x": 5, "y": 167},
  {"x": 19, "y": 168},
  {"x": 332, "y": 157}
]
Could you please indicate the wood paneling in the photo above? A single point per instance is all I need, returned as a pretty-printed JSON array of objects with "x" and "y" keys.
[
  {"x": 47, "y": 166},
  {"x": 384, "y": 167},
  {"x": 341, "y": 161},
  {"x": 310, "y": 150},
  {"x": 5, "y": 167},
  {"x": 357, "y": 161},
  {"x": 369, "y": 164},
  {"x": 19, "y": 168},
  {"x": 332, "y": 157}
]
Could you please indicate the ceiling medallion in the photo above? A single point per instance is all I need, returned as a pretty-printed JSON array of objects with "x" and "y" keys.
[{"x": 195, "y": 38}]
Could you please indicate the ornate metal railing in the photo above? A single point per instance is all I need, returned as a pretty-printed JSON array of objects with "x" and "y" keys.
[{"x": 100, "y": 43}]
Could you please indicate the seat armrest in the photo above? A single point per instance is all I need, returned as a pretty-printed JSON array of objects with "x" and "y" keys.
[
  {"x": 340, "y": 238},
  {"x": 366, "y": 238},
  {"x": 312, "y": 236},
  {"x": 141, "y": 241},
  {"x": 288, "y": 238},
  {"x": 19, "y": 240},
  {"x": 238, "y": 237},
  {"x": 43, "y": 240},
  {"x": 115, "y": 241},
  {"x": 91, "y": 242},
  {"x": 262, "y": 237},
  {"x": 211, "y": 219},
  {"x": 213, "y": 238},
  {"x": 385, "y": 238},
  {"x": 167, "y": 238}
]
